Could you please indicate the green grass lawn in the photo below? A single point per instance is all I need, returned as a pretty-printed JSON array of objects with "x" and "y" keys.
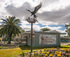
[
  {"x": 11, "y": 52},
  {"x": 16, "y": 51},
  {"x": 65, "y": 46}
]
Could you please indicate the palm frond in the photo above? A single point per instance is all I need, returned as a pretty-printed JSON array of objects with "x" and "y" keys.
[{"x": 10, "y": 26}]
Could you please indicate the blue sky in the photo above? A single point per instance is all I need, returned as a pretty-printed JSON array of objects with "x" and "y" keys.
[
  {"x": 37, "y": 27},
  {"x": 63, "y": 26}
]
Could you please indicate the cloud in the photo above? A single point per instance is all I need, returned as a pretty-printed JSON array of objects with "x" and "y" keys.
[
  {"x": 48, "y": 2},
  {"x": 36, "y": 27},
  {"x": 61, "y": 16},
  {"x": 53, "y": 12},
  {"x": 13, "y": 9},
  {"x": 3, "y": 4},
  {"x": 20, "y": 11},
  {"x": 54, "y": 28},
  {"x": 55, "y": 5},
  {"x": 27, "y": 27}
]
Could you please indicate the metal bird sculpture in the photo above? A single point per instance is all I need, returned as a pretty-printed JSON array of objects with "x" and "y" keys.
[{"x": 35, "y": 10}]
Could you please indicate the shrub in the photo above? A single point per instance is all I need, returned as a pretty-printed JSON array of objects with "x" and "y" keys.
[
  {"x": 0, "y": 47},
  {"x": 5, "y": 47},
  {"x": 23, "y": 53},
  {"x": 36, "y": 54},
  {"x": 20, "y": 45}
]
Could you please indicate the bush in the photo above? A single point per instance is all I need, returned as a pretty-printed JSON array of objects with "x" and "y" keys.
[
  {"x": 0, "y": 47},
  {"x": 20, "y": 45},
  {"x": 5, "y": 47},
  {"x": 23, "y": 53},
  {"x": 36, "y": 54}
]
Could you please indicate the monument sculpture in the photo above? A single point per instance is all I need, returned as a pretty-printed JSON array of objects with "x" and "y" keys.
[
  {"x": 35, "y": 10},
  {"x": 32, "y": 19}
]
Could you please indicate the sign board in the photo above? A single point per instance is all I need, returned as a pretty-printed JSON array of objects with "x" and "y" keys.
[{"x": 47, "y": 39}]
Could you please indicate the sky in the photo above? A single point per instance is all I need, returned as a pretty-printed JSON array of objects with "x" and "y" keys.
[{"x": 53, "y": 14}]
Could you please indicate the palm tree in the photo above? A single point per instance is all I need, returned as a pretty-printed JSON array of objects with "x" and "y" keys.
[{"x": 10, "y": 27}]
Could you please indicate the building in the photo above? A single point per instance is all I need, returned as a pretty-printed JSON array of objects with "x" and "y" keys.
[
  {"x": 42, "y": 39},
  {"x": 26, "y": 37}
]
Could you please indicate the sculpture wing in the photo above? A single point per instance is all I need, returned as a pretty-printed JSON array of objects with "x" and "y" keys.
[
  {"x": 29, "y": 10},
  {"x": 37, "y": 7}
]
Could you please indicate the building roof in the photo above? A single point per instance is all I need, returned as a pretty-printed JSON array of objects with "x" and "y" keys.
[{"x": 52, "y": 31}]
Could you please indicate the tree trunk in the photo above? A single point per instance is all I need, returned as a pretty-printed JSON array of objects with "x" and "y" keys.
[{"x": 9, "y": 40}]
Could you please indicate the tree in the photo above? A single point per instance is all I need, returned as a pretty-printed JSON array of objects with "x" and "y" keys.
[
  {"x": 45, "y": 29},
  {"x": 67, "y": 29},
  {"x": 69, "y": 32},
  {"x": 10, "y": 27},
  {"x": 22, "y": 30}
]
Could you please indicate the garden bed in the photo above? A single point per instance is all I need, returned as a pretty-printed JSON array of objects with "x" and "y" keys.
[
  {"x": 14, "y": 52},
  {"x": 47, "y": 53},
  {"x": 7, "y": 46}
]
